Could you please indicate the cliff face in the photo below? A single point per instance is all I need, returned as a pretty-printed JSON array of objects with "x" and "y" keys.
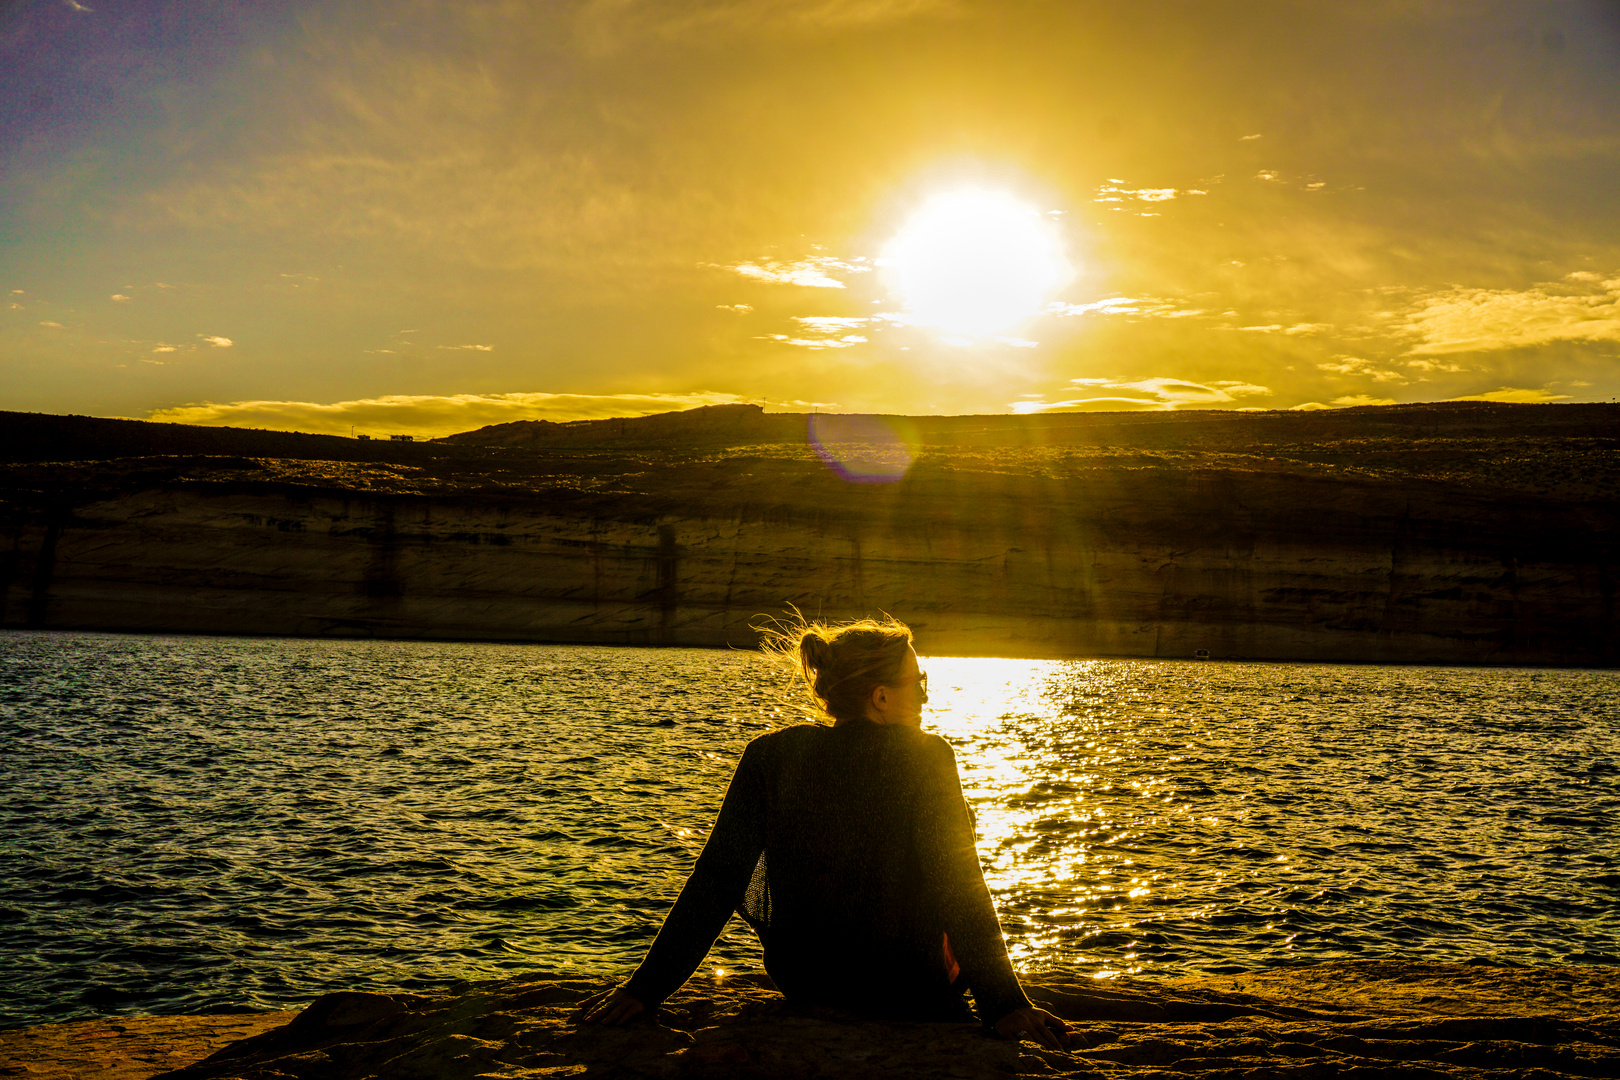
[{"x": 987, "y": 553}]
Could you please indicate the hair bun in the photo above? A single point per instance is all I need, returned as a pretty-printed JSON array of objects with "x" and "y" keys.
[{"x": 815, "y": 651}]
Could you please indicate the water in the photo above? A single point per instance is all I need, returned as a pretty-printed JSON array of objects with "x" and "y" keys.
[{"x": 199, "y": 824}]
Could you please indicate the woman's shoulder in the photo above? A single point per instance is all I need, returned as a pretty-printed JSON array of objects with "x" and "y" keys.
[
  {"x": 781, "y": 738},
  {"x": 923, "y": 743}
]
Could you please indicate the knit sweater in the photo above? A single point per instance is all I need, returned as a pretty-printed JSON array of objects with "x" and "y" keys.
[{"x": 850, "y": 851}]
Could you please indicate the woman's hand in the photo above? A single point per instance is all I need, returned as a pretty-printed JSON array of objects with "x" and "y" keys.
[
  {"x": 612, "y": 1010},
  {"x": 1038, "y": 1024}
]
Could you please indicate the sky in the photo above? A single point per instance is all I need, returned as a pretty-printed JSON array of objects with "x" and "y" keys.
[{"x": 422, "y": 217}]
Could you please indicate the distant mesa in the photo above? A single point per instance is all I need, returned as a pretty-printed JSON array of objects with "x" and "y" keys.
[
  {"x": 707, "y": 424},
  {"x": 1476, "y": 532}
]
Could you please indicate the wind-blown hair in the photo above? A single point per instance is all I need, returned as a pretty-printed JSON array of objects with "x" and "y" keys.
[{"x": 841, "y": 663}]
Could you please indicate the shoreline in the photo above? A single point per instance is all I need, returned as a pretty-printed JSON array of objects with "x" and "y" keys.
[
  {"x": 1461, "y": 1020},
  {"x": 1462, "y": 665}
]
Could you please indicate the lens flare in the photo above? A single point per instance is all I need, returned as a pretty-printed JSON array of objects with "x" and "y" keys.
[
  {"x": 861, "y": 449},
  {"x": 975, "y": 262}
]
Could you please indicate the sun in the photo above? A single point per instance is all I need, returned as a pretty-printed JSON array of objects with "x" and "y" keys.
[{"x": 975, "y": 262}]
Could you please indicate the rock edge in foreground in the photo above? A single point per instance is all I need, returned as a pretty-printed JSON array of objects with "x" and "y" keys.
[{"x": 1351, "y": 1019}]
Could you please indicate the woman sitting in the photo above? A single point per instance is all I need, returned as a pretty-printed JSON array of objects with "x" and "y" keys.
[{"x": 849, "y": 849}]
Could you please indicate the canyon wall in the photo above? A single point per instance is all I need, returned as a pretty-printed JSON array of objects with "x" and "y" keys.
[{"x": 981, "y": 556}]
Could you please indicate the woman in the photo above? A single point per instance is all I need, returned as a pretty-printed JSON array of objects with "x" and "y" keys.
[{"x": 849, "y": 849}]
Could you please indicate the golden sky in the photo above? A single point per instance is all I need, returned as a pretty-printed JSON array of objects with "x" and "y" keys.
[{"x": 427, "y": 216}]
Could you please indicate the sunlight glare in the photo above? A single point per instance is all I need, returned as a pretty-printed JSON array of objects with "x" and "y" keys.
[{"x": 975, "y": 262}]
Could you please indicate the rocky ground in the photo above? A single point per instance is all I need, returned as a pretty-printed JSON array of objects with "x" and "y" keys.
[{"x": 1341, "y": 1020}]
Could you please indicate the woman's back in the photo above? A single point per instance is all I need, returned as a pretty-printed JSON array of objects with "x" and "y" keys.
[
  {"x": 850, "y": 851},
  {"x": 846, "y": 896}
]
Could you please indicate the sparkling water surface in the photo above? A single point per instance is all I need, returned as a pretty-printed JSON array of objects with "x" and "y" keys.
[{"x": 200, "y": 824}]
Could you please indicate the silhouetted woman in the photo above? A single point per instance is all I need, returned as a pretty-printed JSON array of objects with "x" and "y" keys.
[{"x": 849, "y": 849}]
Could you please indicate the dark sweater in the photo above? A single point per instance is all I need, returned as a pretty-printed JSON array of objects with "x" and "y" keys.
[{"x": 850, "y": 851}]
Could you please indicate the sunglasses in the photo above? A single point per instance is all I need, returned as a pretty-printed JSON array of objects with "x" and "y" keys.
[{"x": 921, "y": 680}]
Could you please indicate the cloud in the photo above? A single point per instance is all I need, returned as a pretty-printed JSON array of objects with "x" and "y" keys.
[
  {"x": 430, "y": 416},
  {"x": 468, "y": 348},
  {"x": 1248, "y": 138},
  {"x": 1308, "y": 406},
  {"x": 829, "y": 324},
  {"x": 816, "y": 343},
  {"x": 1018, "y": 343},
  {"x": 52, "y": 325},
  {"x": 1242, "y": 389},
  {"x": 1155, "y": 393},
  {"x": 1354, "y": 400},
  {"x": 120, "y": 298},
  {"x": 1510, "y": 394},
  {"x": 216, "y": 341},
  {"x": 605, "y": 26},
  {"x": 1124, "y": 305},
  {"x": 811, "y": 272},
  {"x": 1486, "y": 320},
  {"x": 1114, "y": 192},
  {"x": 1351, "y": 365},
  {"x": 1435, "y": 366},
  {"x": 740, "y": 309},
  {"x": 164, "y": 348}
]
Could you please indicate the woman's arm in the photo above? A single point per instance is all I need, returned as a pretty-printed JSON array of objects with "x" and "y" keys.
[
  {"x": 969, "y": 914},
  {"x": 711, "y": 894}
]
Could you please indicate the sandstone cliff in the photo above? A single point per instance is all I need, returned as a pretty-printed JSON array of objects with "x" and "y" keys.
[{"x": 1453, "y": 535}]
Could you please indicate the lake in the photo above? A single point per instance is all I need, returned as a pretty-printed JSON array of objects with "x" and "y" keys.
[{"x": 199, "y": 824}]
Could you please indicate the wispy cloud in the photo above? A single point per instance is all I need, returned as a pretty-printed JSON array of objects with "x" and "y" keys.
[
  {"x": 468, "y": 348},
  {"x": 1112, "y": 192},
  {"x": 51, "y": 325},
  {"x": 829, "y": 324},
  {"x": 1350, "y": 401},
  {"x": 120, "y": 298},
  {"x": 217, "y": 341},
  {"x": 604, "y": 26},
  {"x": 740, "y": 309},
  {"x": 429, "y": 415},
  {"x": 1352, "y": 365},
  {"x": 1292, "y": 330},
  {"x": 843, "y": 342},
  {"x": 814, "y": 272},
  {"x": 1485, "y": 320},
  {"x": 1516, "y": 396},
  {"x": 1125, "y": 305},
  {"x": 1155, "y": 393}
]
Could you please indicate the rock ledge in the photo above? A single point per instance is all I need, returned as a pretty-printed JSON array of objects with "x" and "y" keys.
[{"x": 1351, "y": 1019}]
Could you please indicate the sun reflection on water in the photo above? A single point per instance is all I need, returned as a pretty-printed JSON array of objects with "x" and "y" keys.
[{"x": 1056, "y": 853}]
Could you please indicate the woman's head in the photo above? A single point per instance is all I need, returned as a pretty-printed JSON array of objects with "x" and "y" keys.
[{"x": 863, "y": 670}]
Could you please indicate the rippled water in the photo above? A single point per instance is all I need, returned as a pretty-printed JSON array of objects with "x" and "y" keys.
[{"x": 193, "y": 824}]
